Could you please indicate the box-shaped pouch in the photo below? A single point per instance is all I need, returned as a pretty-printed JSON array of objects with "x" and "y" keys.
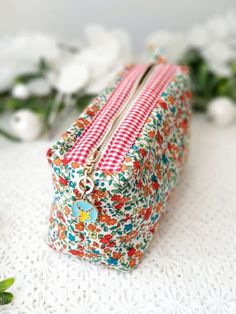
[{"x": 114, "y": 168}]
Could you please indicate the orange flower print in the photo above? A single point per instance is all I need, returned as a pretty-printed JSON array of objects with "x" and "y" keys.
[
  {"x": 147, "y": 190},
  {"x": 119, "y": 200},
  {"x": 151, "y": 134},
  {"x": 81, "y": 123},
  {"x": 57, "y": 161},
  {"x": 171, "y": 99},
  {"x": 116, "y": 255},
  {"x": 132, "y": 263},
  {"x": 103, "y": 218},
  {"x": 107, "y": 219},
  {"x": 138, "y": 254},
  {"x": 79, "y": 226},
  {"x": 147, "y": 165},
  {"x": 148, "y": 213},
  {"x": 74, "y": 165},
  {"x": 108, "y": 172},
  {"x": 166, "y": 129},
  {"x": 111, "y": 221},
  {"x": 77, "y": 253},
  {"x": 128, "y": 159},
  {"x": 98, "y": 194},
  {"x": 124, "y": 167},
  {"x": 158, "y": 207},
  {"x": 163, "y": 104}
]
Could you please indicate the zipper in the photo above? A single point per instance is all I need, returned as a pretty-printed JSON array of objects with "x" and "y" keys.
[
  {"x": 120, "y": 132},
  {"x": 138, "y": 86},
  {"x": 86, "y": 183},
  {"x": 130, "y": 128}
]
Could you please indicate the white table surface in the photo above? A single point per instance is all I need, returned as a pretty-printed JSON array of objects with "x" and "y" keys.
[{"x": 190, "y": 266}]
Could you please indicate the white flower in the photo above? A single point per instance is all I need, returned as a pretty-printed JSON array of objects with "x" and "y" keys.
[
  {"x": 217, "y": 27},
  {"x": 222, "y": 111},
  {"x": 218, "y": 55},
  {"x": 230, "y": 18},
  {"x": 32, "y": 48},
  {"x": 20, "y": 91},
  {"x": 97, "y": 35},
  {"x": 72, "y": 68},
  {"x": 105, "y": 47},
  {"x": 26, "y": 125},
  {"x": 222, "y": 27},
  {"x": 172, "y": 45},
  {"x": 198, "y": 37},
  {"x": 36, "y": 87},
  {"x": 94, "y": 64},
  {"x": 39, "y": 87},
  {"x": 216, "y": 40},
  {"x": 21, "y": 54},
  {"x": 107, "y": 53},
  {"x": 96, "y": 85},
  {"x": 125, "y": 44},
  {"x": 72, "y": 77}
]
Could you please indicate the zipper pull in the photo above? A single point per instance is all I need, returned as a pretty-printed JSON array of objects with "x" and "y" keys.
[
  {"x": 92, "y": 159},
  {"x": 86, "y": 183},
  {"x": 82, "y": 209}
]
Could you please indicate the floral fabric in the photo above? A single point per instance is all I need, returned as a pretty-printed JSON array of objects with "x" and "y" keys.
[{"x": 129, "y": 202}]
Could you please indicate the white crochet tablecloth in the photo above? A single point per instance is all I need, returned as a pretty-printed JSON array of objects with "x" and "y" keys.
[{"x": 189, "y": 268}]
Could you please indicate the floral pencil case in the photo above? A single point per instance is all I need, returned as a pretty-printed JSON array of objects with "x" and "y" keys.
[{"x": 115, "y": 167}]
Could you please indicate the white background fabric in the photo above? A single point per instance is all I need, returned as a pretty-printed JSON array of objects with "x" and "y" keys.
[{"x": 189, "y": 268}]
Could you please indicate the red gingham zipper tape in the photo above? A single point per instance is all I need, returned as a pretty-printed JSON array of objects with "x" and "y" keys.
[
  {"x": 94, "y": 131},
  {"x": 130, "y": 127}
]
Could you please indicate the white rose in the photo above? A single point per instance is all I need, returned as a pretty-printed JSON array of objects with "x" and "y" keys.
[
  {"x": 20, "y": 91},
  {"x": 26, "y": 125},
  {"x": 217, "y": 27},
  {"x": 107, "y": 51},
  {"x": 198, "y": 37},
  {"x": 222, "y": 111},
  {"x": 72, "y": 77},
  {"x": 218, "y": 55},
  {"x": 39, "y": 87},
  {"x": 21, "y": 54}
]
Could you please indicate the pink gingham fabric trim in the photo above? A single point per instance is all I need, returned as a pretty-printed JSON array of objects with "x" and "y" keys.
[
  {"x": 99, "y": 124},
  {"x": 124, "y": 137}
]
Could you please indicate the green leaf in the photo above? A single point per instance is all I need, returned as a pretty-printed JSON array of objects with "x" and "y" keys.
[
  {"x": 5, "y": 298},
  {"x": 25, "y": 78},
  {"x": 43, "y": 66},
  {"x": 233, "y": 68},
  {"x": 84, "y": 100},
  {"x": 7, "y": 283}
]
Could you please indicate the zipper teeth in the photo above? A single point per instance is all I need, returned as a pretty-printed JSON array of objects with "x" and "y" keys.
[
  {"x": 85, "y": 144},
  {"x": 112, "y": 161},
  {"x": 137, "y": 88}
]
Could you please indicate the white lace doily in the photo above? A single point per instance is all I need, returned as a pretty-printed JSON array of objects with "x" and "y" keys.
[{"x": 189, "y": 268}]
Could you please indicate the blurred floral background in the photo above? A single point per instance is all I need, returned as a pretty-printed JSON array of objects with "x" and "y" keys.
[{"x": 44, "y": 79}]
